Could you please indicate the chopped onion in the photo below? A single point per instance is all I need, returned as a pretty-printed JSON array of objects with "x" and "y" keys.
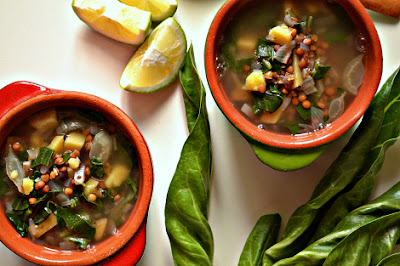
[
  {"x": 305, "y": 128},
  {"x": 284, "y": 79},
  {"x": 289, "y": 20},
  {"x": 317, "y": 118},
  {"x": 70, "y": 125},
  {"x": 93, "y": 128},
  {"x": 63, "y": 200},
  {"x": 44, "y": 169},
  {"x": 26, "y": 165},
  {"x": 305, "y": 47},
  {"x": 284, "y": 52},
  {"x": 354, "y": 74},
  {"x": 32, "y": 154},
  {"x": 285, "y": 103},
  {"x": 54, "y": 186},
  {"x": 79, "y": 176},
  {"x": 336, "y": 107},
  {"x": 14, "y": 169},
  {"x": 309, "y": 86},
  {"x": 67, "y": 245},
  {"x": 102, "y": 146},
  {"x": 256, "y": 65},
  {"x": 247, "y": 110}
]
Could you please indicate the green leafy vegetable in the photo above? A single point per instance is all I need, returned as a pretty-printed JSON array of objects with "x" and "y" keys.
[
  {"x": 262, "y": 236},
  {"x": 369, "y": 244},
  {"x": 23, "y": 156},
  {"x": 76, "y": 222},
  {"x": 79, "y": 241},
  {"x": 18, "y": 224},
  {"x": 186, "y": 208},
  {"x": 96, "y": 167},
  {"x": 320, "y": 71},
  {"x": 43, "y": 157},
  {"x": 66, "y": 157},
  {"x": 20, "y": 204},
  {"x": 315, "y": 254},
  {"x": 268, "y": 101},
  {"x": 343, "y": 172},
  {"x": 392, "y": 260},
  {"x": 265, "y": 49}
]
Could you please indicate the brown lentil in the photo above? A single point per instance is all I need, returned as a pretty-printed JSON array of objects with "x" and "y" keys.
[
  {"x": 59, "y": 161},
  {"x": 302, "y": 63},
  {"x": 302, "y": 97},
  {"x": 46, "y": 177},
  {"x": 68, "y": 191},
  {"x": 307, "y": 41},
  {"x": 306, "y": 104},
  {"x": 16, "y": 146},
  {"x": 92, "y": 197},
  {"x": 321, "y": 105},
  {"x": 88, "y": 146},
  {"x": 32, "y": 200},
  {"x": 246, "y": 68},
  {"x": 39, "y": 185},
  {"x": 45, "y": 189},
  {"x": 295, "y": 101},
  {"x": 117, "y": 197},
  {"x": 89, "y": 138}
]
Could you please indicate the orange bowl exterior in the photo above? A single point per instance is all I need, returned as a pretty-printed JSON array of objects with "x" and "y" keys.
[
  {"x": 47, "y": 256},
  {"x": 373, "y": 72}
]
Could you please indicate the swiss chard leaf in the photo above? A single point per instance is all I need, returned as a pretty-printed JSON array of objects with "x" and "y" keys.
[
  {"x": 343, "y": 171},
  {"x": 369, "y": 244},
  {"x": 18, "y": 223},
  {"x": 263, "y": 235},
  {"x": 315, "y": 254},
  {"x": 96, "y": 167},
  {"x": 20, "y": 204},
  {"x": 265, "y": 49},
  {"x": 186, "y": 208},
  {"x": 76, "y": 222},
  {"x": 268, "y": 101},
  {"x": 79, "y": 241},
  {"x": 43, "y": 157}
]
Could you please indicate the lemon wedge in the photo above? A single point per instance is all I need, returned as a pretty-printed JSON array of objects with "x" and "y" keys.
[
  {"x": 160, "y": 9},
  {"x": 115, "y": 20},
  {"x": 156, "y": 63}
]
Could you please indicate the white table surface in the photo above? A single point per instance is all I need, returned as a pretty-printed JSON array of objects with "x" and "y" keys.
[{"x": 43, "y": 41}]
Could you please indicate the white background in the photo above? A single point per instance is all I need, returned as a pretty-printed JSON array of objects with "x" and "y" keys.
[{"x": 44, "y": 41}]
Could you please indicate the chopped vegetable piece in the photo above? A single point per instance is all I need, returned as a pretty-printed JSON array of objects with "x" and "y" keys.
[
  {"x": 43, "y": 121},
  {"x": 254, "y": 80},
  {"x": 280, "y": 34},
  {"x": 37, "y": 231},
  {"x": 96, "y": 167},
  {"x": 27, "y": 185},
  {"x": 74, "y": 141},
  {"x": 320, "y": 71},
  {"x": 57, "y": 144},
  {"x": 43, "y": 157},
  {"x": 100, "y": 226}
]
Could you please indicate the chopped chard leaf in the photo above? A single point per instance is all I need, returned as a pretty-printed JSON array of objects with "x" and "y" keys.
[{"x": 43, "y": 157}]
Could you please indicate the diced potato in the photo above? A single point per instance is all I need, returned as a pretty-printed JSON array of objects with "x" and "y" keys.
[
  {"x": 44, "y": 121},
  {"x": 270, "y": 118},
  {"x": 74, "y": 141},
  {"x": 90, "y": 186},
  {"x": 280, "y": 35},
  {"x": 254, "y": 80},
  {"x": 27, "y": 185},
  {"x": 100, "y": 226},
  {"x": 118, "y": 175},
  {"x": 57, "y": 144},
  {"x": 247, "y": 44},
  {"x": 74, "y": 163},
  {"x": 38, "y": 230},
  {"x": 36, "y": 140}
]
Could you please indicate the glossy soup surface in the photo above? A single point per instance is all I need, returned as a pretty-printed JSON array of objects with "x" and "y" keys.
[
  {"x": 334, "y": 42},
  {"x": 69, "y": 178}
]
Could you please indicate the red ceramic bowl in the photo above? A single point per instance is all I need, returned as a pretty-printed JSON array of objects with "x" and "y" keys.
[
  {"x": 21, "y": 99},
  {"x": 373, "y": 72}
]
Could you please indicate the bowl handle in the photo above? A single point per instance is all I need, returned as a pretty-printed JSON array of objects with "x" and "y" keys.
[
  {"x": 132, "y": 252},
  {"x": 18, "y": 92}
]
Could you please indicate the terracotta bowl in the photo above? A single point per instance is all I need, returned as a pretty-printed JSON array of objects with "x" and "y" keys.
[
  {"x": 373, "y": 72},
  {"x": 21, "y": 99}
]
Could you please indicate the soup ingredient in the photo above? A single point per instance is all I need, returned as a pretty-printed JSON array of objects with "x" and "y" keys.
[
  {"x": 316, "y": 253},
  {"x": 115, "y": 20},
  {"x": 160, "y": 9},
  {"x": 157, "y": 61},
  {"x": 186, "y": 208},
  {"x": 263, "y": 235},
  {"x": 354, "y": 75}
]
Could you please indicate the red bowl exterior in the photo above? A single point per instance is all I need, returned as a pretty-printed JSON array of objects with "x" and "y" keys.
[
  {"x": 54, "y": 98},
  {"x": 373, "y": 72}
]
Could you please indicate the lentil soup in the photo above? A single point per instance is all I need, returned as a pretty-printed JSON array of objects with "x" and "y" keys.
[
  {"x": 291, "y": 67},
  {"x": 68, "y": 178}
]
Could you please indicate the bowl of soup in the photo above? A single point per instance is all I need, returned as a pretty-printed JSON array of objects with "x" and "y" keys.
[
  {"x": 293, "y": 76},
  {"x": 76, "y": 177}
]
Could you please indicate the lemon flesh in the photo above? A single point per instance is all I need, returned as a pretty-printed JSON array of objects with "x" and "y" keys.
[
  {"x": 115, "y": 20},
  {"x": 157, "y": 61},
  {"x": 160, "y": 9}
]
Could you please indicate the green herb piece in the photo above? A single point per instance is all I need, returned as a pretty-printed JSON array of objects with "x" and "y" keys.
[
  {"x": 79, "y": 241},
  {"x": 343, "y": 172},
  {"x": 276, "y": 66},
  {"x": 40, "y": 216},
  {"x": 257, "y": 111},
  {"x": 20, "y": 204},
  {"x": 76, "y": 222},
  {"x": 392, "y": 260},
  {"x": 19, "y": 224},
  {"x": 186, "y": 208},
  {"x": 320, "y": 71},
  {"x": 266, "y": 65},
  {"x": 66, "y": 157},
  {"x": 96, "y": 167},
  {"x": 315, "y": 254},
  {"x": 134, "y": 189},
  {"x": 47, "y": 196},
  {"x": 268, "y": 101},
  {"x": 265, "y": 49},
  {"x": 369, "y": 244},
  {"x": 23, "y": 156},
  {"x": 263, "y": 235},
  {"x": 43, "y": 157}
]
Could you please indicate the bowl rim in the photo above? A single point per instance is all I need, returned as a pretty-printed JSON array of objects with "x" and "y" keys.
[
  {"x": 352, "y": 114},
  {"x": 42, "y": 255}
]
